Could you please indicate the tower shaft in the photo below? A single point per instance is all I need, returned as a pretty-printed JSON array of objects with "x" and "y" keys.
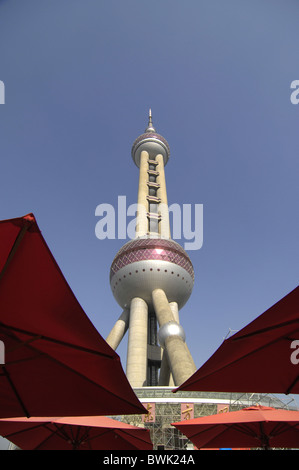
[
  {"x": 152, "y": 278},
  {"x": 152, "y": 213}
]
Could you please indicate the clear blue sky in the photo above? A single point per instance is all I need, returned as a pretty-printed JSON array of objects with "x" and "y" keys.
[{"x": 79, "y": 78}]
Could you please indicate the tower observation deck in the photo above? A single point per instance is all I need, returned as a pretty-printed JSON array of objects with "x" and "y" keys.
[{"x": 151, "y": 278}]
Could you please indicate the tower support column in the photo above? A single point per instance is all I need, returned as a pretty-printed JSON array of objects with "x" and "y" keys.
[
  {"x": 180, "y": 361},
  {"x": 165, "y": 372},
  {"x": 119, "y": 330},
  {"x": 137, "y": 343},
  {"x": 165, "y": 377}
]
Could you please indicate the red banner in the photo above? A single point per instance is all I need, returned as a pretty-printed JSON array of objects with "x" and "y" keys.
[
  {"x": 151, "y": 416},
  {"x": 222, "y": 408},
  {"x": 187, "y": 411}
]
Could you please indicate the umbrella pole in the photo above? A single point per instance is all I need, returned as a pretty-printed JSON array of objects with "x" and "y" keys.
[
  {"x": 264, "y": 438},
  {"x": 78, "y": 440}
]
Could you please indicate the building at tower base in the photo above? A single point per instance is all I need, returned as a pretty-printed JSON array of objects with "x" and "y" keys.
[{"x": 166, "y": 407}]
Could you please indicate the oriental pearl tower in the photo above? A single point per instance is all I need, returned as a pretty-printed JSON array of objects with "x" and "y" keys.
[{"x": 151, "y": 278}]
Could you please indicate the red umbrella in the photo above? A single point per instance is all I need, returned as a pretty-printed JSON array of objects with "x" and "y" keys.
[
  {"x": 56, "y": 363},
  {"x": 74, "y": 433},
  {"x": 253, "y": 427},
  {"x": 262, "y": 357}
]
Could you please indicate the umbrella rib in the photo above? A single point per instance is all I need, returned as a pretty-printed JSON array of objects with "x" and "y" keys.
[
  {"x": 19, "y": 361},
  {"x": 282, "y": 427},
  {"x": 198, "y": 433},
  {"x": 263, "y": 346},
  {"x": 69, "y": 368},
  {"x": 84, "y": 436},
  {"x": 124, "y": 432},
  {"x": 119, "y": 432},
  {"x": 119, "y": 397},
  {"x": 59, "y": 432},
  {"x": 127, "y": 431},
  {"x": 43, "y": 425},
  {"x": 20, "y": 344},
  {"x": 288, "y": 390},
  {"x": 242, "y": 429},
  {"x": 93, "y": 382},
  {"x": 263, "y": 330},
  {"x": 238, "y": 427},
  {"x": 73, "y": 438},
  {"x": 102, "y": 433},
  {"x": 89, "y": 444},
  {"x": 15, "y": 391},
  {"x": 116, "y": 431},
  {"x": 77, "y": 441},
  {"x": 10, "y": 435},
  {"x": 80, "y": 374},
  {"x": 14, "y": 248},
  {"x": 57, "y": 341},
  {"x": 46, "y": 439}
]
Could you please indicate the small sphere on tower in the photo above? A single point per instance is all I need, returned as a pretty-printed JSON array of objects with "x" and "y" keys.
[{"x": 152, "y": 142}]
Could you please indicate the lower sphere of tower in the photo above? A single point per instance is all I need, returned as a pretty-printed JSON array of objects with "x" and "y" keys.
[{"x": 145, "y": 264}]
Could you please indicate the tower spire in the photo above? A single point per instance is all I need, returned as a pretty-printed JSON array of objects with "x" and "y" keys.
[{"x": 150, "y": 127}]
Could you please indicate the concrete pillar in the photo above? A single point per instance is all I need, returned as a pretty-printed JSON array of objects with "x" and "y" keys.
[
  {"x": 181, "y": 365},
  {"x": 119, "y": 330},
  {"x": 162, "y": 194},
  {"x": 175, "y": 311},
  {"x": 137, "y": 343},
  {"x": 165, "y": 373},
  {"x": 161, "y": 306},
  {"x": 165, "y": 377},
  {"x": 142, "y": 209}
]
